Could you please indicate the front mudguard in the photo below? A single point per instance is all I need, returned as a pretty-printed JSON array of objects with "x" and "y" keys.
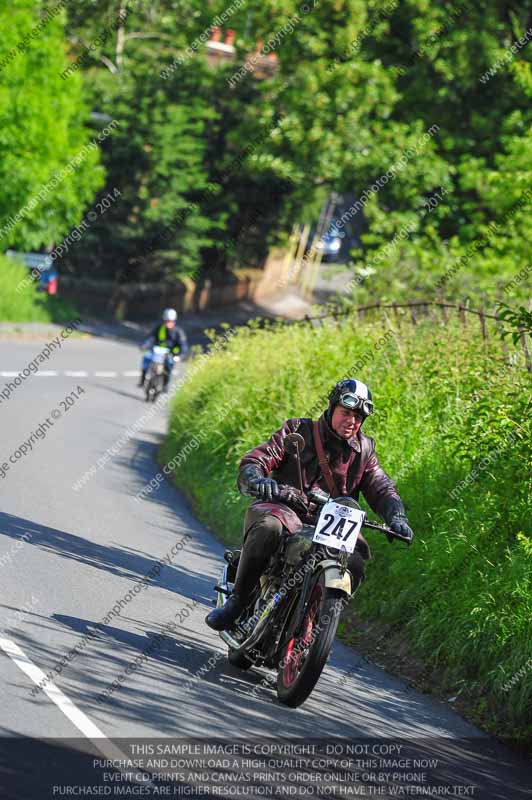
[{"x": 333, "y": 577}]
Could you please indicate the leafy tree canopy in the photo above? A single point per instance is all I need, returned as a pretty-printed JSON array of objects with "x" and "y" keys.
[{"x": 48, "y": 171}]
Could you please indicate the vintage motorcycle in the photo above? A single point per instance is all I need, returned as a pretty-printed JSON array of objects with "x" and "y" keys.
[{"x": 291, "y": 620}]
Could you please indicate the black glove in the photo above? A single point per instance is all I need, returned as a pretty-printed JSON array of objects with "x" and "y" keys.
[
  {"x": 296, "y": 500},
  {"x": 252, "y": 481},
  {"x": 266, "y": 488},
  {"x": 399, "y": 523}
]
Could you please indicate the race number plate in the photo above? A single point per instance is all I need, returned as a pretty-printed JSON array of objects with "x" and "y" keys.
[{"x": 338, "y": 526}]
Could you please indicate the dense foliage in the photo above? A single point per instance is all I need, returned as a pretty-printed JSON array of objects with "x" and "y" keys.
[
  {"x": 419, "y": 112},
  {"x": 48, "y": 173},
  {"x": 453, "y": 428},
  {"x": 21, "y": 301},
  {"x": 422, "y": 110},
  {"x": 178, "y": 158}
]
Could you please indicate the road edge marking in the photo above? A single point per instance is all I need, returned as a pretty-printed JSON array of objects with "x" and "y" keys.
[{"x": 77, "y": 717}]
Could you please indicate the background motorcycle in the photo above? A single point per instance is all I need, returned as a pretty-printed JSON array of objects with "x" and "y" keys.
[
  {"x": 290, "y": 621},
  {"x": 155, "y": 377}
]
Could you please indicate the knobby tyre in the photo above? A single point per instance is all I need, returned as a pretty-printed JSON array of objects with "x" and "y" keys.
[{"x": 305, "y": 656}]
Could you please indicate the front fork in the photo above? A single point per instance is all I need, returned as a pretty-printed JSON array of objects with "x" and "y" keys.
[{"x": 336, "y": 576}]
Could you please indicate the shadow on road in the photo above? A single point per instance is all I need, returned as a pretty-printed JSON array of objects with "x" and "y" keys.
[
  {"x": 185, "y": 686},
  {"x": 31, "y": 768},
  {"x": 119, "y": 561},
  {"x": 156, "y": 696},
  {"x": 138, "y": 396}
]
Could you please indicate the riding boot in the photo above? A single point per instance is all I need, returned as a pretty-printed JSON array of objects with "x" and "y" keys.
[
  {"x": 224, "y": 617},
  {"x": 142, "y": 378},
  {"x": 260, "y": 543}
]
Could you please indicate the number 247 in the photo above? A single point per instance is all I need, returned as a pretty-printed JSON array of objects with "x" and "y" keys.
[{"x": 338, "y": 528}]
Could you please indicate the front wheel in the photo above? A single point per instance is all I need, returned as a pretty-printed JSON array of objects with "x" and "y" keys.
[
  {"x": 305, "y": 655},
  {"x": 153, "y": 388},
  {"x": 150, "y": 387}
]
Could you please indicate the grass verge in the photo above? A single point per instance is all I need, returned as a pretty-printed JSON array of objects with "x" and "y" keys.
[{"x": 21, "y": 302}]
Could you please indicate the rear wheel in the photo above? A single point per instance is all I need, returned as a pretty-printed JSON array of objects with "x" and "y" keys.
[
  {"x": 238, "y": 660},
  {"x": 234, "y": 656},
  {"x": 305, "y": 655}
]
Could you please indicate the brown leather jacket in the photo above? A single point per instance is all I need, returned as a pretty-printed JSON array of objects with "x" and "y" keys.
[{"x": 353, "y": 463}]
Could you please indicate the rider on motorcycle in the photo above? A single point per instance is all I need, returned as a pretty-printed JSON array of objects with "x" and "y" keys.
[
  {"x": 165, "y": 334},
  {"x": 350, "y": 467}
]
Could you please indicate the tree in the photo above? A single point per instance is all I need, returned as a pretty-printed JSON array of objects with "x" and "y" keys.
[
  {"x": 49, "y": 171},
  {"x": 403, "y": 106},
  {"x": 469, "y": 237}
]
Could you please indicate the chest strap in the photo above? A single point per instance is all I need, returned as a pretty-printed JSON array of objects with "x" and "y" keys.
[{"x": 324, "y": 464}]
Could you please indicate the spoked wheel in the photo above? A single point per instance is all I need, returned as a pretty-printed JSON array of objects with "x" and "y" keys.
[{"x": 305, "y": 655}]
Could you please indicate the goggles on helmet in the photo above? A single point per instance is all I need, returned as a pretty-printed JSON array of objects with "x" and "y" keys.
[{"x": 355, "y": 403}]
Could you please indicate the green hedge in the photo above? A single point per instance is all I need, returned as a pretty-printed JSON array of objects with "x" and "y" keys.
[
  {"x": 446, "y": 403},
  {"x": 21, "y": 302}
]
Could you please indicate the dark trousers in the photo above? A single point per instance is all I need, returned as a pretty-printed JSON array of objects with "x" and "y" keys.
[{"x": 262, "y": 536}]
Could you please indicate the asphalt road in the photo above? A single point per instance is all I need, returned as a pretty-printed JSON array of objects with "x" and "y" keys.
[{"x": 68, "y": 556}]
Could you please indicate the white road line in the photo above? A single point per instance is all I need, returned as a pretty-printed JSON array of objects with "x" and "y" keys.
[
  {"x": 82, "y": 722},
  {"x": 51, "y": 373},
  {"x": 71, "y": 711}
]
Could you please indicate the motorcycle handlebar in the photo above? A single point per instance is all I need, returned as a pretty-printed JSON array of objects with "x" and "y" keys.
[
  {"x": 376, "y": 527},
  {"x": 320, "y": 498}
]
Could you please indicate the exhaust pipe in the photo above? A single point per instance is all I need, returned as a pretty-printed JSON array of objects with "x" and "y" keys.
[{"x": 228, "y": 639}]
